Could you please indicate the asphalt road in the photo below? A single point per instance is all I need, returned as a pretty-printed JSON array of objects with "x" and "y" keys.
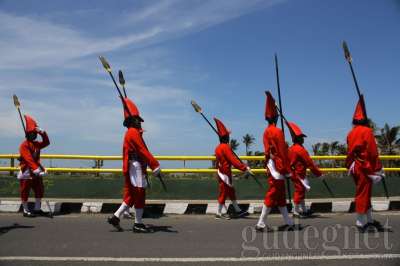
[{"x": 196, "y": 240}]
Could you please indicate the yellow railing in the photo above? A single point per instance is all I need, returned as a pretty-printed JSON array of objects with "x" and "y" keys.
[{"x": 13, "y": 168}]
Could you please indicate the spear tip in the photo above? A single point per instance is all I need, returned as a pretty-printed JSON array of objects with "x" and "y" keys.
[
  {"x": 105, "y": 64},
  {"x": 121, "y": 78},
  {"x": 346, "y": 50},
  {"x": 16, "y": 101},
  {"x": 196, "y": 107}
]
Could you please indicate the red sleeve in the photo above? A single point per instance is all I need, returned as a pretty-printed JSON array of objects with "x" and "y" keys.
[
  {"x": 230, "y": 157},
  {"x": 292, "y": 157},
  {"x": 310, "y": 163},
  {"x": 45, "y": 140},
  {"x": 282, "y": 153},
  {"x": 267, "y": 148},
  {"x": 373, "y": 152},
  {"x": 142, "y": 151},
  {"x": 26, "y": 157}
]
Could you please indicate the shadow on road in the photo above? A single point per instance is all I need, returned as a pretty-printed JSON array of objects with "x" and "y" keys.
[{"x": 6, "y": 229}]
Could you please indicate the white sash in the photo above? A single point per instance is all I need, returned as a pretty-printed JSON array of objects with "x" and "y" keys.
[
  {"x": 275, "y": 174},
  {"x": 224, "y": 178},
  {"x": 136, "y": 175},
  {"x": 24, "y": 175},
  {"x": 377, "y": 176},
  {"x": 305, "y": 183}
]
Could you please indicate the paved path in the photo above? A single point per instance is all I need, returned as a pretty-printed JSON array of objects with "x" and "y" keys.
[{"x": 197, "y": 240}]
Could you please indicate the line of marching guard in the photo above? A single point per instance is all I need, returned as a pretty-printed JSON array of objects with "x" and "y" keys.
[{"x": 281, "y": 163}]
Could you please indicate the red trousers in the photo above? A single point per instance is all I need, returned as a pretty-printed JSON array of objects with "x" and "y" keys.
[
  {"x": 25, "y": 186},
  {"x": 134, "y": 196},
  {"x": 299, "y": 191},
  {"x": 225, "y": 191},
  {"x": 363, "y": 190},
  {"x": 275, "y": 195}
]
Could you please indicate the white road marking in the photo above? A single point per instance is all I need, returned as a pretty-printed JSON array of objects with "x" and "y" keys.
[{"x": 210, "y": 259}]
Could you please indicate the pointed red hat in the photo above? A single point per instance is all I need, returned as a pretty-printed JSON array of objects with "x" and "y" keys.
[
  {"x": 295, "y": 130},
  {"x": 132, "y": 109},
  {"x": 30, "y": 124},
  {"x": 270, "y": 107},
  {"x": 360, "y": 112},
  {"x": 222, "y": 131}
]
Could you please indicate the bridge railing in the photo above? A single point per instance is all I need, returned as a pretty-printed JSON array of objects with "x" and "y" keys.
[{"x": 13, "y": 157}]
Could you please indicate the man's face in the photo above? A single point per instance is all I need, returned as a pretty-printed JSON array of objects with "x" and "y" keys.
[{"x": 31, "y": 136}]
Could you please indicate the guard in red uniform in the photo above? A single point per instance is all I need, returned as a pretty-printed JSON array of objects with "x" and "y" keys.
[
  {"x": 31, "y": 174},
  {"x": 278, "y": 167},
  {"x": 225, "y": 160},
  {"x": 300, "y": 160},
  {"x": 364, "y": 165},
  {"x": 136, "y": 159}
]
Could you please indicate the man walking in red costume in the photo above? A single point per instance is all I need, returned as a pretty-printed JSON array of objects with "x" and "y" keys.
[
  {"x": 300, "y": 160},
  {"x": 278, "y": 168},
  {"x": 364, "y": 165},
  {"x": 225, "y": 159},
  {"x": 136, "y": 159},
  {"x": 31, "y": 174}
]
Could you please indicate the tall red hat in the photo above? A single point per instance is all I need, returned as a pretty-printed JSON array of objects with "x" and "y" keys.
[
  {"x": 270, "y": 107},
  {"x": 222, "y": 131},
  {"x": 132, "y": 109},
  {"x": 30, "y": 124},
  {"x": 360, "y": 112},
  {"x": 295, "y": 130}
]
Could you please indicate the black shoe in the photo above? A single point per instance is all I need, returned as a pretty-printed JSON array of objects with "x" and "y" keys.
[
  {"x": 40, "y": 213},
  {"x": 141, "y": 228},
  {"x": 29, "y": 214},
  {"x": 114, "y": 221},
  {"x": 376, "y": 224},
  {"x": 287, "y": 227},
  {"x": 362, "y": 229},
  {"x": 263, "y": 229}
]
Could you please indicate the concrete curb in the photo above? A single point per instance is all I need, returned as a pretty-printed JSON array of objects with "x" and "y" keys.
[{"x": 159, "y": 208}]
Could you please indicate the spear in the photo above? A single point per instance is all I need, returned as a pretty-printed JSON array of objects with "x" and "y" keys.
[
  {"x": 281, "y": 113},
  {"x": 199, "y": 110},
  {"x": 349, "y": 59},
  {"x": 122, "y": 81},
  {"x": 18, "y": 106},
  {"x": 107, "y": 67}
]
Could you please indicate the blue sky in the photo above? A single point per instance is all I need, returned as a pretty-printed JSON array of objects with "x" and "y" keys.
[{"x": 219, "y": 53}]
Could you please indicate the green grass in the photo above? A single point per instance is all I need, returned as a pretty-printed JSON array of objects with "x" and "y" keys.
[{"x": 182, "y": 188}]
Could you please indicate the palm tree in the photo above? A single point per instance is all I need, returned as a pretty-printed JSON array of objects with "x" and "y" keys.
[
  {"x": 248, "y": 140},
  {"x": 234, "y": 144},
  {"x": 333, "y": 147},
  {"x": 316, "y": 148},
  {"x": 387, "y": 139}
]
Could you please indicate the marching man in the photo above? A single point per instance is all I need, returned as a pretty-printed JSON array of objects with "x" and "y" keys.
[
  {"x": 31, "y": 174},
  {"x": 300, "y": 160},
  {"x": 364, "y": 165},
  {"x": 278, "y": 168},
  {"x": 225, "y": 158},
  {"x": 136, "y": 159}
]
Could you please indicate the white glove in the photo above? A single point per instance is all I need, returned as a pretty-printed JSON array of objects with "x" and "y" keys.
[
  {"x": 39, "y": 130},
  {"x": 43, "y": 173},
  {"x": 157, "y": 171},
  {"x": 37, "y": 171},
  {"x": 248, "y": 171}
]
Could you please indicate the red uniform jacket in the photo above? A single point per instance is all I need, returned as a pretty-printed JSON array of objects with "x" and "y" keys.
[
  {"x": 276, "y": 149},
  {"x": 362, "y": 150},
  {"x": 300, "y": 160},
  {"x": 30, "y": 153},
  {"x": 135, "y": 148},
  {"x": 226, "y": 158}
]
